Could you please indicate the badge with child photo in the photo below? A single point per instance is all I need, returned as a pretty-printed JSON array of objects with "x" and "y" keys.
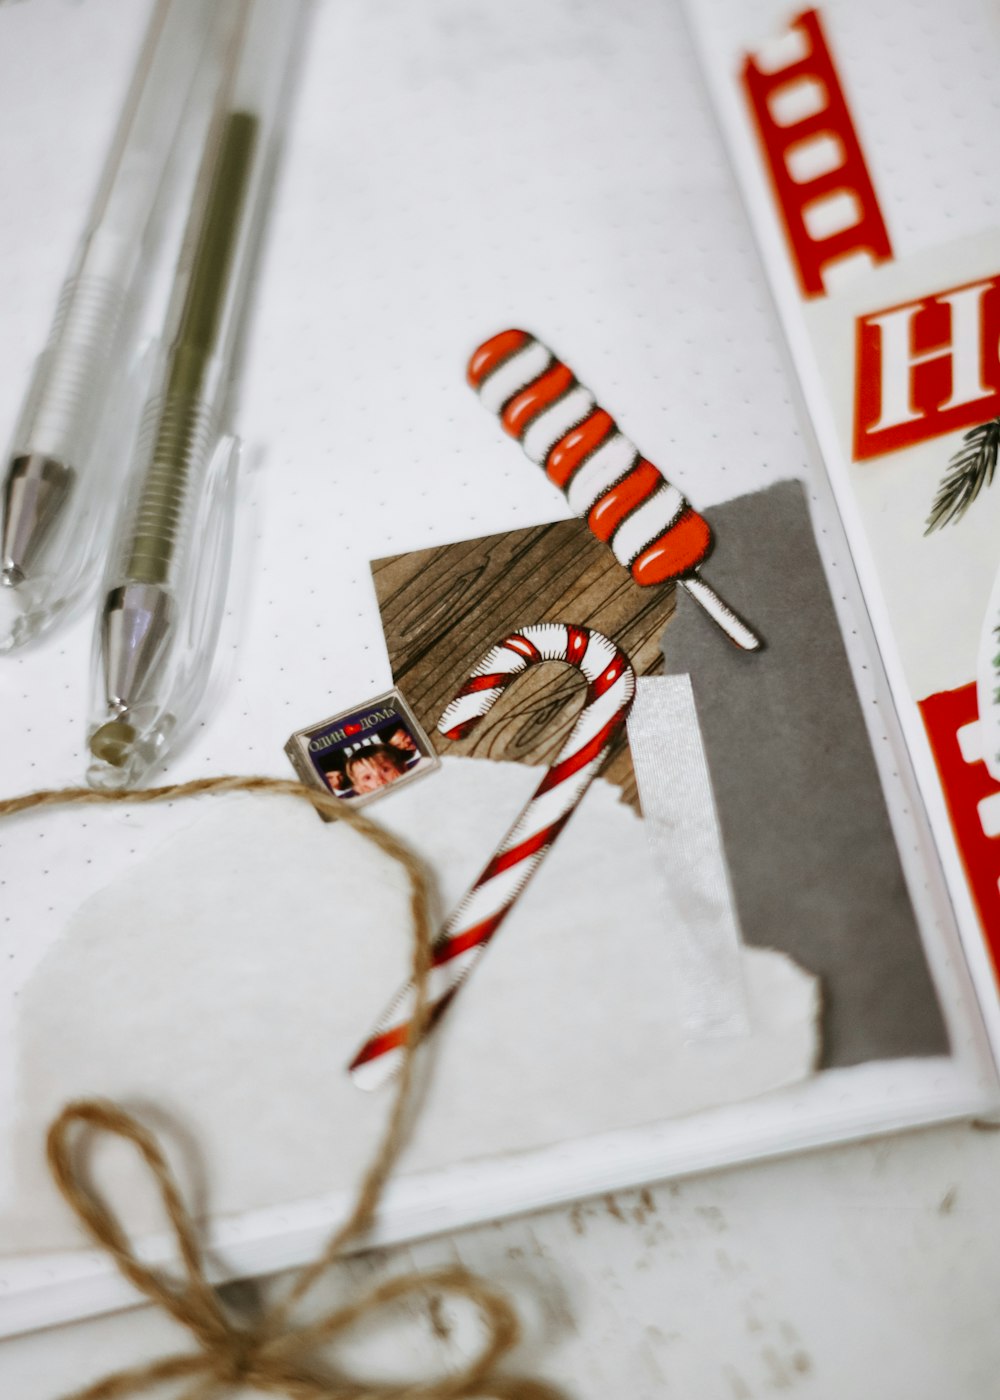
[{"x": 361, "y": 753}]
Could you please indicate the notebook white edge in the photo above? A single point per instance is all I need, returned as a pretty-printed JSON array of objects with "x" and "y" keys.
[
  {"x": 720, "y": 72},
  {"x": 63, "y": 1288}
]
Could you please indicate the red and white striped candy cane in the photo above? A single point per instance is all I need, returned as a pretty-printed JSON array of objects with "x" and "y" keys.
[
  {"x": 627, "y": 502},
  {"x": 463, "y": 940}
]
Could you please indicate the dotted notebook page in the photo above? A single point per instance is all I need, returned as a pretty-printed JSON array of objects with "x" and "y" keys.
[
  {"x": 920, "y": 77},
  {"x": 450, "y": 168},
  {"x": 412, "y": 215}
]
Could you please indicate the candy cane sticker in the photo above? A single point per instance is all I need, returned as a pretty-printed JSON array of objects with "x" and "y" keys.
[
  {"x": 627, "y": 502},
  {"x": 463, "y": 940}
]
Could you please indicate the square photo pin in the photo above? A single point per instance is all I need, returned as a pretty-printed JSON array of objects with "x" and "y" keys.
[{"x": 365, "y": 752}]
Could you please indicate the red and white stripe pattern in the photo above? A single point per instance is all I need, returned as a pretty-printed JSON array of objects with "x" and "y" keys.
[
  {"x": 627, "y": 502},
  {"x": 464, "y": 938}
]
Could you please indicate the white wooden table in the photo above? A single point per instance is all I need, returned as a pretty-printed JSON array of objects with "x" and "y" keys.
[{"x": 870, "y": 1271}]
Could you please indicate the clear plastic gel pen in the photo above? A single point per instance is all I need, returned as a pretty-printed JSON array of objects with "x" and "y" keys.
[
  {"x": 164, "y": 590},
  {"x": 65, "y": 459}
]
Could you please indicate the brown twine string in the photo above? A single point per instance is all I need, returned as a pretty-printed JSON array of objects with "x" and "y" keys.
[{"x": 274, "y": 1355}]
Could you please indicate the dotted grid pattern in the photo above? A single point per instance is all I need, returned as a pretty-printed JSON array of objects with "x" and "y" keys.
[
  {"x": 452, "y": 168},
  {"x": 449, "y": 170},
  {"x": 920, "y": 78}
]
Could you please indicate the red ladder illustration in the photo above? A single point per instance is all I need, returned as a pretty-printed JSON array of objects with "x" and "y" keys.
[
  {"x": 800, "y": 201},
  {"x": 951, "y": 719}
]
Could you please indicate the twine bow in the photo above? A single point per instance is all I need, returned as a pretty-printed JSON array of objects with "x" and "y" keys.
[{"x": 273, "y": 1354}]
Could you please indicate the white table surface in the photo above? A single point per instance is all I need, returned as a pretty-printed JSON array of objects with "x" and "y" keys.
[{"x": 871, "y": 1271}]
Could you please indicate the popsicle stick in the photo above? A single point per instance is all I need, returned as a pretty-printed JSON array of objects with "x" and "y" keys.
[{"x": 720, "y": 612}]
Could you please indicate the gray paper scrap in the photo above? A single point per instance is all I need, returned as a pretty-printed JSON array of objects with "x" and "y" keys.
[
  {"x": 811, "y": 855},
  {"x": 678, "y": 809}
]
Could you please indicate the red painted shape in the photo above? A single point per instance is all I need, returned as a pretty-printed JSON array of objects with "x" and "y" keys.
[
  {"x": 679, "y": 550},
  {"x": 476, "y": 683},
  {"x": 523, "y": 647},
  {"x": 607, "y": 678},
  {"x": 397, "y": 1036},
  {"x": 381, "y": 1045},
  {"x": 492, "y": 353},
  {"x": 930, "y": 381},
  {"x": 869, "y": 234},
  {"x": 573, "y": 450},
  {"x": 530, "y": 846},
  {"x": 459, "y": 731},
  {"x": 965, "y": 785},
  {"x": 559, "y": 772},
  {"x": 577, "y": 641},
  {"x": 449, "y": 948},
  {"x": 528, "y": 404},
  {"x": 608, "y": 512}
]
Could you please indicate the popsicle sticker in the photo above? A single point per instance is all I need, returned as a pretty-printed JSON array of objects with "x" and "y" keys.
[
  {"x": 627, "y": 502},
  {"x": 464, "y": 938}
]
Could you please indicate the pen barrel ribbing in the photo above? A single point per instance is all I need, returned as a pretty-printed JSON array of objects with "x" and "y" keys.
[
  {"x": 177, "y": 438},
  {"x": 69, "y": 388},
  {"x": 180, "y": 427}
]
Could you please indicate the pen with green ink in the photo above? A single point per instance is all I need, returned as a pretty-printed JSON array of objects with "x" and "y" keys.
[{"x": 165, "y": 586}]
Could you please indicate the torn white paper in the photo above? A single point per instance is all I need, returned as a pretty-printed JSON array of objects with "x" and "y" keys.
[{"x": 225, "y": 981}]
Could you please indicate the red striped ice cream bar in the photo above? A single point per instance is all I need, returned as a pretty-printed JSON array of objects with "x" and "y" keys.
[{"x": 627, "y": 502}]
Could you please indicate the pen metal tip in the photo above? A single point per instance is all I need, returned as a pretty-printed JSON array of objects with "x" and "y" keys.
[
  {"x": 135, "y": 624},
  {"x": 34, "y": 492}
]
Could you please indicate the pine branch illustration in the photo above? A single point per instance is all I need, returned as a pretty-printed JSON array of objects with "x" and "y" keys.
[{"x": 972, "y": 467}]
